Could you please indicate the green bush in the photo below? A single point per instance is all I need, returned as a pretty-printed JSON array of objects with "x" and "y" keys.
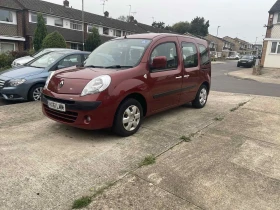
[
  {"x": 7, "y": 58},
  {"x": 54, "y": 40},
  {"x": 93, "y": 40},
  {"x": 40, "y": 32}
]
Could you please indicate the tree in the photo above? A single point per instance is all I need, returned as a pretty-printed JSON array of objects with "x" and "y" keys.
[
  {"x": 199, "y": 26},
  {"x": 158, "y": 25},
  {"x": 93, "y": 40},
  {"x": 168, "y": 28},
  {"x": 54, "y": 40},
  {"x": 181, "y": 27},
  {"x": 123, "y": 18},
  {"x": 40, "y": 32}
]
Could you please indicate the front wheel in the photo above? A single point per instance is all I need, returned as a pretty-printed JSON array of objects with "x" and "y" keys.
[
  {"x": 35, "y": 92},
  {"x": 128, "y": 118},
  {"x": 201, "y": 97}
]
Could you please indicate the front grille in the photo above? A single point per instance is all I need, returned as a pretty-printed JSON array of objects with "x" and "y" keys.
[
  {"x": 59, "y": 100},
  {"x": 67, "y": 117},
  {"x": 2, "y": 82}
]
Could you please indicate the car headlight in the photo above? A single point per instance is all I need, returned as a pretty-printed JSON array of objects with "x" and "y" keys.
[
  {"x": 49, "y": 78},
  {"x": 97, "y": 85},
  {"x": 16, "y": 82}
]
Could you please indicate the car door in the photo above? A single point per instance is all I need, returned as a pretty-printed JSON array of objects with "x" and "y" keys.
[
  {"x": 165, "y": 84},
  {"x": 191, "y": 74},
  {"x": 70, "y": 60}
]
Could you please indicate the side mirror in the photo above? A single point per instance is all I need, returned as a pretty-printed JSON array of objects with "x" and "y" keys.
[{"x": 159, "y": 62}]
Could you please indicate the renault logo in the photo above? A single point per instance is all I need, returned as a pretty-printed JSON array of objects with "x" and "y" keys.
[{"x": 61, "y": 84}]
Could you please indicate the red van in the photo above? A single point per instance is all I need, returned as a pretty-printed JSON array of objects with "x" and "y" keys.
[{"x": 127, "y": 79}]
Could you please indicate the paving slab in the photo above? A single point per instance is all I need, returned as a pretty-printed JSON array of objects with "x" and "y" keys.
[
  {"x": 135, "y": 193},
  {"x": 254, "y": 124},
  {"x": 204, "y": 173}
]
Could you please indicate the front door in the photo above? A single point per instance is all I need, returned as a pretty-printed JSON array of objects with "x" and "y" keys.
[{"x": 165, "y": 84}]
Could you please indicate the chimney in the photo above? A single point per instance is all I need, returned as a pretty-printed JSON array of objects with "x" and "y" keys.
[
  {"x": 106, "y": 14},
  {"x": 66, "y": 3}
]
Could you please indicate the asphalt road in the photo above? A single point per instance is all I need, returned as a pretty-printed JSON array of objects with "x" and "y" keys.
[{"x": 222, "y": 82}]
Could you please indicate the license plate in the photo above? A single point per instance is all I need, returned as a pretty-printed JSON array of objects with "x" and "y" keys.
[
  {"x": 56, "y": 106},
  {"x": 243, "y": 62}
]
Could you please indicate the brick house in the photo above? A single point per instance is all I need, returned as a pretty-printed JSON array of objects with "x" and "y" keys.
[
  {"x": 220, "y": 45},
  {"x": 271, "y": 44},
  {"x": 68, "y": 22},
  {"x": 11, "y": 29}
]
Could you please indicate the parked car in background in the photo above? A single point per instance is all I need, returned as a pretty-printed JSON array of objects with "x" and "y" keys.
[
  {"x": 247, "y": 61},
  {"x": 233, "y": 57},
  {"x": 127, "y": 79},
  {"x": 26, "y": 59},
  {"x": 26, "y": 82}
]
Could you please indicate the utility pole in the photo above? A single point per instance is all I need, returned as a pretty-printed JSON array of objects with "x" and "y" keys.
[
  {"x": 153, "y": 19},
  {"x": 218, "y": 31},
  {"x": 103, "y": 5},
  {"x": 83, "y": 20},
  {"x": 129, "y": 10},
  {"x": 256, "y": 40}
]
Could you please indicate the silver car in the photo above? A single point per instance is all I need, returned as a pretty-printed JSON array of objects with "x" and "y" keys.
[{"x": 23, "y": 60}]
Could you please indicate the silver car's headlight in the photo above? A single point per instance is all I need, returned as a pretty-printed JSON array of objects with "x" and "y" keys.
[
  {"x": 97, "y": 85},
  {"x": 49, "y": 78},
  {"x": 16, "y": 82}
]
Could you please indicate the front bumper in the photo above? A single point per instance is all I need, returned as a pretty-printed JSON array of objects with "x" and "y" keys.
[
  {"x": 78, "y": 112},
  {"x": 17, "y": 93}
]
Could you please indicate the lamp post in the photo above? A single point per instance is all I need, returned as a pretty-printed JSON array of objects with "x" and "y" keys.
[
  {"x": 256, "y": 40},
  {"x": 129, "y": 10},
  {"x": 218, "y": 31},
  {"x": 83, "y": 20}
]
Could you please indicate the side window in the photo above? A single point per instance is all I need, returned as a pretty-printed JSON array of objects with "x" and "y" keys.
[
  {"x": 190, "y": 55},
  {"x": 204, "y": 56},
  {"x": 169, "y": 51},
  {"x": 85, "y": 56},
  {"x": 71, "y": 60}
]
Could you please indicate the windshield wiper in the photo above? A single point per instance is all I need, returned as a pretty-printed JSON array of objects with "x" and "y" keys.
[
  {"x": 117, "y": 67},
  {"x": 92, "y": 66}
]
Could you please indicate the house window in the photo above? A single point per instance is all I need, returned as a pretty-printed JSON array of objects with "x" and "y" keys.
[
  {"x": 58, "y": 22},
  {"x": 6, "y": 47},
  {"x": 76, "y": 26},
  {"x": 91, "y": 27},
  {"x": 34, "y": 18},
  {"x": 105, "y": 31},
  {"x": 6, "y": 16},
  {"x": 76, "y": 46},
  {"x": 118, "y": 33},
  {"x": 273, "y": 47}
]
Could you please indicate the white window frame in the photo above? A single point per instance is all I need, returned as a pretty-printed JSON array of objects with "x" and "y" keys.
[
  {"x": 93, "y": 26},
  {"x": 14, "y": 16},
  {"x": 45, "y": 18},
  {"x": 14, "y": 44},
  {"x": 108, "y": 31},
  {"x": 55, "y": 18},
  {"x": 78, "y": 24},
  {"x": 277, "y": 47}
]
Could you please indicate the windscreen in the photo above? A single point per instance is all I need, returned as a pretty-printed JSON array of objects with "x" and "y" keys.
[{"x": 118, "y": 53}]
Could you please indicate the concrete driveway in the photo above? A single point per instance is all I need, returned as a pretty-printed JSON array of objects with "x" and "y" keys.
[{"x": 232, "y": 161}]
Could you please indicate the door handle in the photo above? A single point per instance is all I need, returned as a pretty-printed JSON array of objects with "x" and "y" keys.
[
  {"x": 179, "y": 77},
  {"x": 186, "y": 76}
]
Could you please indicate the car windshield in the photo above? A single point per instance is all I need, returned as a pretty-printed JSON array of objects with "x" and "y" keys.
[
  {"x": 45, "y": 60},
  {"x": 122, "y": 53},
  {"x": 39, "y": 53},
  {"x": 247, "y": 57}
]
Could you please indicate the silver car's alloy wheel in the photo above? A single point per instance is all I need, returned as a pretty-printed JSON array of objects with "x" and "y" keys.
[
  {"x": 131, "y": 118},
  {"x": 203, "y": 96},
  {"x": 37, "y": 93}
]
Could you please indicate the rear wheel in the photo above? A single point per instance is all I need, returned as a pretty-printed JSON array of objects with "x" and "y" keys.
[
  {"x": 238, "y": 65},
  {"x": 35, "y": 92},
  {"x": 128, "y": 118},
  {"x": 201, "y": 97}
]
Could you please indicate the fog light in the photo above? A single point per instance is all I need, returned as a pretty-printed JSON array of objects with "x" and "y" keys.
[{"x": 87, "y": 119}]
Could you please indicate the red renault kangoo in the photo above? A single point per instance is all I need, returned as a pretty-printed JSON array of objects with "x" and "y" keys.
[{"x": 127, "y": 79}]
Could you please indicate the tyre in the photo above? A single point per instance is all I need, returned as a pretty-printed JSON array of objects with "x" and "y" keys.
[
  {"x": 238, "y": 65},
  {"x": 128, "y": 118},
  {"x": 201, "y": 97},
  {"x": 35, "y": 92}
]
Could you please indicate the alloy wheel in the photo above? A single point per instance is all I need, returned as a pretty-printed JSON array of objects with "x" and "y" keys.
[
  {"x": 37, "y": 93},
  {"x": 131, "y": 118}
]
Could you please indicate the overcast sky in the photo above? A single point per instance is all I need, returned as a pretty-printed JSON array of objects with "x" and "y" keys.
[{"x": 238, "y": 18}]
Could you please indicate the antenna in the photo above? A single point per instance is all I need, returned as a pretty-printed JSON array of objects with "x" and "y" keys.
[
  {"x": 153, "y": 19},
  {"x": 129, "y": 10},
  {"x": 104, "y": 1}
]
